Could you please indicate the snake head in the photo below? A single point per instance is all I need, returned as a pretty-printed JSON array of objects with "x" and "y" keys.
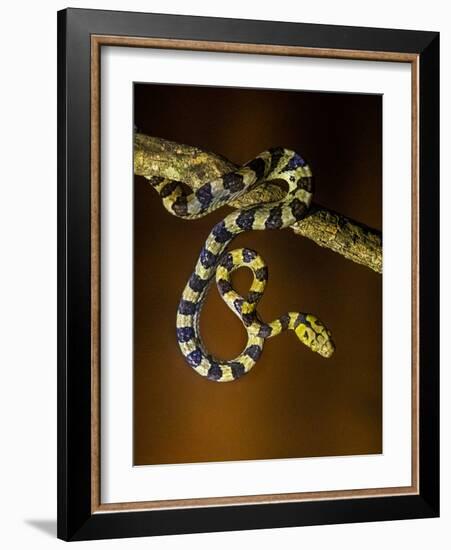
[{"x": 312, "y": 332}]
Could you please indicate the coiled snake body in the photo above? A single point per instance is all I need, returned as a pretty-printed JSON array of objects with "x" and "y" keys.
[{"x": 274, "y": 164}]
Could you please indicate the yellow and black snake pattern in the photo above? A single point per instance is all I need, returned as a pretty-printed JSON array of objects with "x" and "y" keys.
[{"x": 273, "y": 164}]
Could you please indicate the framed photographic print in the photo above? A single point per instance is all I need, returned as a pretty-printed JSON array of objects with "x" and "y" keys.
[{"x": 248, "y": 274}]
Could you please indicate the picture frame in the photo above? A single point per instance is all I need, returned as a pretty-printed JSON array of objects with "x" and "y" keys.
[{"x": 81, "y": 36}]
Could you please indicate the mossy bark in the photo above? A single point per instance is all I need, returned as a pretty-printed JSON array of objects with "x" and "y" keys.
[{"x": 194, "y": 166}]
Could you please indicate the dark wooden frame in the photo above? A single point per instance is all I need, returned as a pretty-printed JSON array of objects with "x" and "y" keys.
[{"x": 81, "y": 33}]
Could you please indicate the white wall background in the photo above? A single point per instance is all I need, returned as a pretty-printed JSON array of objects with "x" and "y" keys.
[{"x": 28, "y": 272}]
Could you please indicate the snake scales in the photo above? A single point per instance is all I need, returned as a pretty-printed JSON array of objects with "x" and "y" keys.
[{"x": 273, "y": 164}]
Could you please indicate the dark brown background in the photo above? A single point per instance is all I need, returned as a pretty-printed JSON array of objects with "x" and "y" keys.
[{"x": 293, "y": 403}]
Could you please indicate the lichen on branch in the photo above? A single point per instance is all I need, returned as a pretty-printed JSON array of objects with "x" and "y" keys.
[{"x": 353, "y": 240}]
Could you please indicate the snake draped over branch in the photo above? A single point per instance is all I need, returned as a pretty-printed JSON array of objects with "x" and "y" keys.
[{"x": 215, "y": 261}]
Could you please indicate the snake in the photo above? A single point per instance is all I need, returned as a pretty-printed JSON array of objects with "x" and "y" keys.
[{"x": 282, "y": 166}]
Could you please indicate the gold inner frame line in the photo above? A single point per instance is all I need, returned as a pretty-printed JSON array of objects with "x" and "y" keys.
[{"x": 97, "y": 41}]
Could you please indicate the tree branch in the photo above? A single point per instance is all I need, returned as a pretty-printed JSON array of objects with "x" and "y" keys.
[{"x": 353, "y": 240}]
